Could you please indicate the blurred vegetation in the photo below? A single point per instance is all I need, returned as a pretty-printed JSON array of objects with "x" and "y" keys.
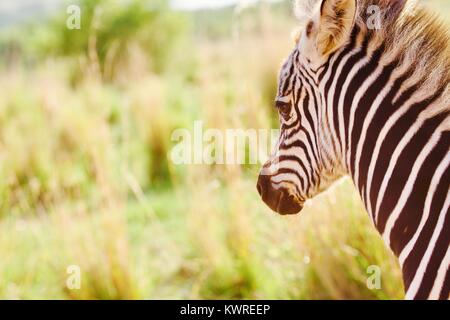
[
  {"x": 85, "y": 177},
  {"x": 109, "y": 31}
]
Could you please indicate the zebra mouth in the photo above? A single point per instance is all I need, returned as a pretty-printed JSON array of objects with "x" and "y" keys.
[
  {"x": 279, "y": 200},
  {"x": 287, "y": 204}
]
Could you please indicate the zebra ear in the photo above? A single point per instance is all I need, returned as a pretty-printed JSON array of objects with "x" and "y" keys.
[{"x": 335, "y": 24}]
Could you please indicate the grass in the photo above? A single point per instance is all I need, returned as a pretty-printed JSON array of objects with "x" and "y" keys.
[{"x": 85, "y": 180}]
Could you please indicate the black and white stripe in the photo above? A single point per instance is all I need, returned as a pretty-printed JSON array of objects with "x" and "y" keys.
[{"x": 365, "y": 112}]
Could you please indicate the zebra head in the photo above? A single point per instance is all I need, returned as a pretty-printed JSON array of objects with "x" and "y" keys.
[{"x": 305, "y": 161}]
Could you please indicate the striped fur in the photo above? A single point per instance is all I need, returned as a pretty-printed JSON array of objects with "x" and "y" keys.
[{"x": 375, "y": 105}]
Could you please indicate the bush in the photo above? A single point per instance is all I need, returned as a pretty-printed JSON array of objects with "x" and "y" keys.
[{"x": 109, "y": 30}]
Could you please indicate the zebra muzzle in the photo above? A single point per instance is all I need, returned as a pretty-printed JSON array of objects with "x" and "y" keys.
[{"x": 278, "y": 199}]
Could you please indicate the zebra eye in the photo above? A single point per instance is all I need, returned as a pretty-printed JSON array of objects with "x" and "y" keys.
[{"x": 284, "y": 108}]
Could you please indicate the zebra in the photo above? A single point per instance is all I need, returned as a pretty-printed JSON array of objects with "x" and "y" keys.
[{"x": 374, "y": 104}]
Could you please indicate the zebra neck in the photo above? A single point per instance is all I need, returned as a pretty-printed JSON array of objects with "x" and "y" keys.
[{"x": 390, "y": 129}]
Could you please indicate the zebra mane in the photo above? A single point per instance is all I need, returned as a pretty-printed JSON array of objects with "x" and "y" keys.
[{"x": 418, "y": 36}]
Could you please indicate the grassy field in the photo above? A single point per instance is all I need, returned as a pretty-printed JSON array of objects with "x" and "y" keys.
[{"x": 86, "y": 181}]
